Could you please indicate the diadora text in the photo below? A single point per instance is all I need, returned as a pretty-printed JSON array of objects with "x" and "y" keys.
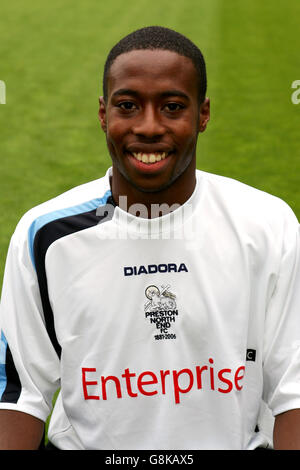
[{"x": 154, "y": 268}]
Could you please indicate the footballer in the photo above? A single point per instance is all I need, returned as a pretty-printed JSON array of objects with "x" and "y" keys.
[{"x": 161, "y": 301}]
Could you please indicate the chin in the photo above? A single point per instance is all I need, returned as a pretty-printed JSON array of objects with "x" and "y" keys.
[{"x": 148, "y": 185}]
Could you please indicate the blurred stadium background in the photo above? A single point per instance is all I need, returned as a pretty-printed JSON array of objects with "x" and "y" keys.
[{"x": 51, "y": 60}]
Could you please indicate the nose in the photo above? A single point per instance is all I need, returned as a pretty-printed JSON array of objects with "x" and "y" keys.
[{"x": 148, "y": 124}]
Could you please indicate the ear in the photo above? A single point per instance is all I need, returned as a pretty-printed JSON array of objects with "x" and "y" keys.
[
  {"x": 102, "y": 113},
  {"x": 204, "y": 116}
]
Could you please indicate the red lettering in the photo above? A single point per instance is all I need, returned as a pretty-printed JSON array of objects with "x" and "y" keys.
[
  {"x": 85, "y": 384},
  {"x": 224, "y": 380},
  {"x": 141, "y": 383},
  {"x": 183, "y": 381},
  {"x": 211, "y": 373},
  {"x": 238, "y": 377},
  {"x": 163, "y": 374},
  {"x": 127, "y": 376},
  {"x": 199, "y": 371},
  {"x": 177, "y": 389},
  {"x": 117, "y": 383}
]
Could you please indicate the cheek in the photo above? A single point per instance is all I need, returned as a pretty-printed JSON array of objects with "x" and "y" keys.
[
  {"x": 112, "y": 144},
  {"x": 115, "y": 133},
  {"x": 187, "y": 141},
  {"x": 112, "y": 140},
  {"x": 187, "y": 131}
]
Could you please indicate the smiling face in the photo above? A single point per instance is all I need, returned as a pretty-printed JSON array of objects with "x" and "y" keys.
[{"x": 152, "y": 118}]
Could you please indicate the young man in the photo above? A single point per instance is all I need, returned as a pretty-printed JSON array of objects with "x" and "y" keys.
[{"x": 161, "y": 299}]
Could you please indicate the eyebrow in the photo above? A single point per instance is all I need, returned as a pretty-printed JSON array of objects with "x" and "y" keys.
[
  {"x": 164, "y": 94},
  {"x": 125, "y": 91}
]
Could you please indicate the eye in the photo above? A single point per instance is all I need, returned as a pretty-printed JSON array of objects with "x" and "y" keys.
[
  {"x": 126, "y": 105},
  {"x": 173, "y": 107}
]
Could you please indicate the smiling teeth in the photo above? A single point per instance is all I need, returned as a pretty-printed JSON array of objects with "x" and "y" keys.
[{"x": 149, "y": 157}]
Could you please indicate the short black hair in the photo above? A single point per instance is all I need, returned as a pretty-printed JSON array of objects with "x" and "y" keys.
[{"x": 159, "y": 37}]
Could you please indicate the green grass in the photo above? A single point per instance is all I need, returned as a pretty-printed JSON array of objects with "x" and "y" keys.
[
  {"x": 52, "y": 56},
  {"x": 51, "y": 59}
]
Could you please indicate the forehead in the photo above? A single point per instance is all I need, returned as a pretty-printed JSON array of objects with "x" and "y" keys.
[{"x": 152, "y": 70}]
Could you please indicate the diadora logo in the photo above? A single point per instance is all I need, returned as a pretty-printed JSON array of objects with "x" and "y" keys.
[
  {"x": 154, "y": 268},
  {"x": 161, "y": 309}
]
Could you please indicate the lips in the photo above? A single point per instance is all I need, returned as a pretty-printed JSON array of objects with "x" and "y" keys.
[
  {"x": 150, "y": 158},
  {"x": 149, "y": 155},
  {"x": 148, "y": 163}
]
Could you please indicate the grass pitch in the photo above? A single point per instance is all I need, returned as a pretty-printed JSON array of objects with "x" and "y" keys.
[{"x": 51, "y": 60}]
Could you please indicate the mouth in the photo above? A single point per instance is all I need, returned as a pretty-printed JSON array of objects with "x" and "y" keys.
[{"x": 150, "y": 158}]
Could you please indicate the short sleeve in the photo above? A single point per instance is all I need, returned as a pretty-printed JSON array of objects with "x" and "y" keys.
[
  {"x": 29, "y": 363},
  {"x": 281, "y": 361}
]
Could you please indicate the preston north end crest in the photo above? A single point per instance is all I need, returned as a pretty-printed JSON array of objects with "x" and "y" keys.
[{"x": 161, "y": 310}]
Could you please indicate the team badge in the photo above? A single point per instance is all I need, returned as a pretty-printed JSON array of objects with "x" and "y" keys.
[{"x": 161, "y": 310}]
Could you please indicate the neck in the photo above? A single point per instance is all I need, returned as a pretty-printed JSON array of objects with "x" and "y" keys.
[{"x": 168, "y": 199}]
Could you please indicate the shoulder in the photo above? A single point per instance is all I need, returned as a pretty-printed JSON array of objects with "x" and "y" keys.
[
  {"x": 81, "y": 198},
  {"x": 244, "y": 203}
]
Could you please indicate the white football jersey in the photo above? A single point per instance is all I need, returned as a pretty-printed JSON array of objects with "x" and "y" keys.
[{"x": 162, "y": 333}]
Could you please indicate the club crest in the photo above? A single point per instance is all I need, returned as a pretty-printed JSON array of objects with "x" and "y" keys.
[{"x": 161, "y": 309}]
